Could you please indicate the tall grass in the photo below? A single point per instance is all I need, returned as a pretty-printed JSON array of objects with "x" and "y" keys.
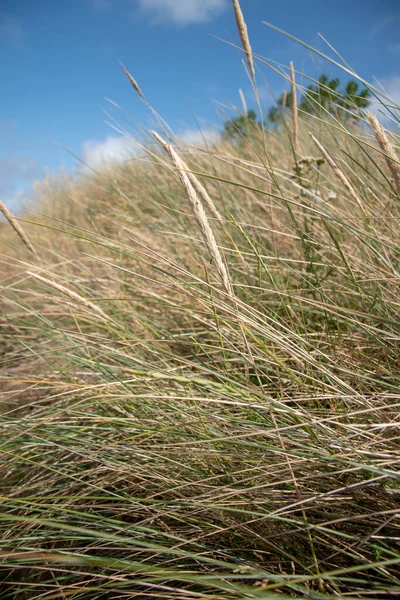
[{"x": 187, "y": 419}]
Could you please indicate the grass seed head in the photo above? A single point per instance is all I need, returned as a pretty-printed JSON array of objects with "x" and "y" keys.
[
  {"x": 198, "y": 212},
  {"x": 74, "y": 295},
  {"x": 387, "y": 148},
  {"x": 244, "y": 36},
  {"x": 133, "y": 82},
  {"x": 17, "y": 227}
]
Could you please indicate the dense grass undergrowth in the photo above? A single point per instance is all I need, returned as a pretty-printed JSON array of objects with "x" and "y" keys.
[{"x": 200, "y": 373}]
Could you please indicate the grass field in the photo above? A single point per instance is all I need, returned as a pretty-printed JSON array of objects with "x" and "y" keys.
[{"x": 200, "y": 372}]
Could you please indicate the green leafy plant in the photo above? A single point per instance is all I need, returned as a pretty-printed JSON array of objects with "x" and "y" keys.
[
  {"x": 241, "y": 127},
  {"x": 325, "y": 96}
]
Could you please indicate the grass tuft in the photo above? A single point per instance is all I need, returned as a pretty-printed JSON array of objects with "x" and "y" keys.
[{"x": 198, "y": 413}]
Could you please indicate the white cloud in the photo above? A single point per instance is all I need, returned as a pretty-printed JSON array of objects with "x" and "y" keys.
[
  {"x": 182, "y": 12},
  {"x": 199, "y": 137},
  {"x": 391, "y": 88},
  {"x": 114, "y": 148}
]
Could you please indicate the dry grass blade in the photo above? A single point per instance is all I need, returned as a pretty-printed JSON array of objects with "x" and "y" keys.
[
  {"x": 139, "y": 91},
  {"x": 295, "y": 115},
  {"x": 198, "y": 212},
  {"x": 228, "y": 427},
  {"x": 201, "y": 190},
  {"x": 70, "y": 293},
  {"x": 387, "y": 148},
  {"x": 284, "y": 99},
  {"x": 243, "y": 101},
  {"x": 17, "y": 227},
  {"x": 244, "y": 36},
  {"x": 338, "y": 172}
]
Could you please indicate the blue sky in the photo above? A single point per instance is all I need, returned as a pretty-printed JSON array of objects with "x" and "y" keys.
[{"x": 60, "y": 63}]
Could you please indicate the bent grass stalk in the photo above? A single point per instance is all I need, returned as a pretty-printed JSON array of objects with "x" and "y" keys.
[
  {"x": 17, "y": 227},
  {"x": 139, "y": 91},
  {"x": 199, "y": 213},
  {"x": 201, "y": 190},
  {"x": 70, "y": 293},
  {"x": 338, "y": 172}
]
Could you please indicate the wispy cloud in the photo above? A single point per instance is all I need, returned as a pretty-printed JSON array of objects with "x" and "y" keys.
[
  {"x": 182, "y": 12},
  {"x": 391, "y": 21},
  {"x": 11, "y": 30},
  {"x": 113, "y": 148},
  {"x": 178, "y": 12},
  {"x": 199, "y": 137},
  {"x": 390, "y": 87},
  {"x": 100, "y": 5}
]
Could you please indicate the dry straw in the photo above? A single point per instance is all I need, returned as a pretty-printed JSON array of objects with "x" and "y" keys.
[
  {"x": 17, "y": 227},
  {"x": 201, "y": 190},
  {"x": 243, "y": 101},
  {"x": 284, "y": 99},
  {"x": 338, "y": 172},
  {"x": 387, "y": 148},
  {"x": 244, "y": 36},
  {"x": 139, "y": 91},
  {"x": 295, "y": 114},
  {"x": 70, "y": 293},
  {"x": 198, "y": 212}
]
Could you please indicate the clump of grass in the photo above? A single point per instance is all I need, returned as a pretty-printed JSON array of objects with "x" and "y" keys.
[{"x": 175, "y": 428}]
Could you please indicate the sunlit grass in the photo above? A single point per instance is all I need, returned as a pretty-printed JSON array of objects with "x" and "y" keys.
[{"x": 184, "y": 420}]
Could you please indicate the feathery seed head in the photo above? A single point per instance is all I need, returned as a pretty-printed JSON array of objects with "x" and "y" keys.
[
  {"x": 198, "y": 213},
  {"x": 74, "y": 295},
  {"x": 17, "y": 227},
  {"x": 244, "y": 36},
  {"x": 387, "y": 148},
  {"x": 133, "y": 82}
]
